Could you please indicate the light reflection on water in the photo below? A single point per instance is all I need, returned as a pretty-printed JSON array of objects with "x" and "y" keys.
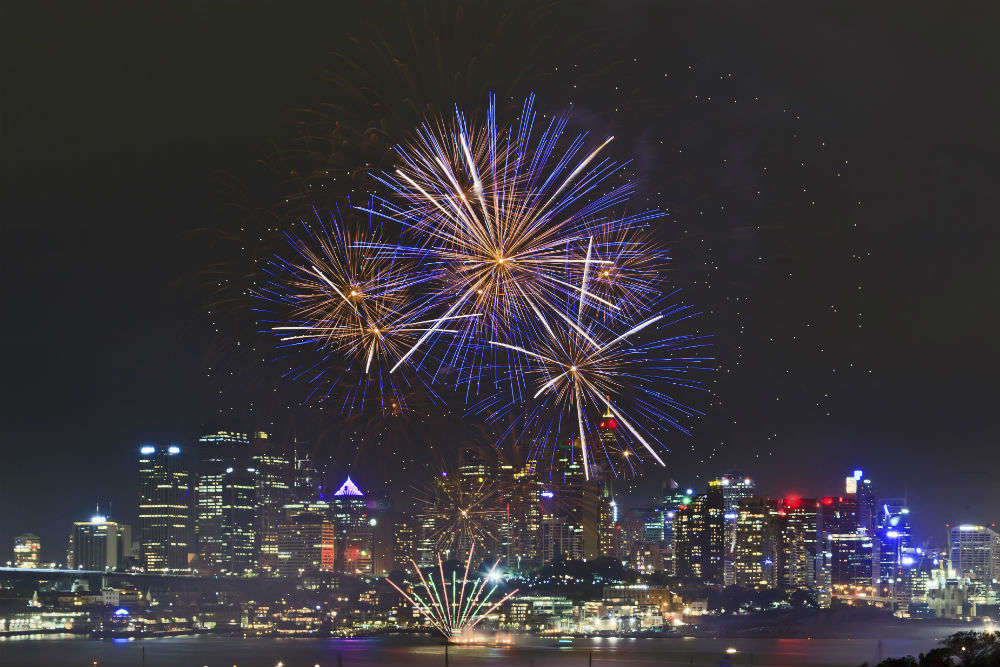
[{"x": 61, "y": 651}]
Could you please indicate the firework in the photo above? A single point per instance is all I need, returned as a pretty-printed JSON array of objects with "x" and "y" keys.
[
  {"x": 585, "y": 366},
  {"x": 460, "y": 612},
  {"x": 505, "y": 220},
  {"x": 348, "y": 303},
  {"x": 465, "y": 509}
]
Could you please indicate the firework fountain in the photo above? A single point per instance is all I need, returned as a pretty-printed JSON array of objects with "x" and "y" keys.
[{"x": 456, "y": 615}]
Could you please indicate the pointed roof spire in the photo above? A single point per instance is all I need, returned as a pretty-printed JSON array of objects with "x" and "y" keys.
[{"x": 348, "y": 488}]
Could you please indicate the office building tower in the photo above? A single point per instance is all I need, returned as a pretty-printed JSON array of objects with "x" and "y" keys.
[
  {"x": 800, "y": 556},
  {"x": 526, "y": 515},
  {"x": 98, "y": 544},
  {"x": 699, "y": 537},
  {"x": 975, "y": 552},
  {"x": 850, "y": 561},
  {"x": 754, "y": 552},
  {"x": 860, "y": 489},
  {"x": 306, "y": 540},
  {"x": 673, "y": 497},
  {"x": 405, "y": 540},
  {"x": 893, "y": 535},
  {"x": 238, "y": 544},
  {"x": 579, "y": 500},
  {"x": 736, "y": 487},
  {"x": 353, "y": 530},
  {"x": 273, "y": 467},
  {"x": 165, "y": 495},
  {"x": 217, "y": 453},
  {"x": 27, "y": 550},
  {"x": 608, "y": 522}
]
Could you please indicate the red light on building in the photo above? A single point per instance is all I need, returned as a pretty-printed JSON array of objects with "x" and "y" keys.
[
  {"x": 612, "y": 423},
  {"x": 602, "y": 425},
  {"x": 828, "y": 501},
  {"x": 792, "y": 502}
]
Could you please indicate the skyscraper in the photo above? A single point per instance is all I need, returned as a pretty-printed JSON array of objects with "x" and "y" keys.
[
  {"x": 353, "y": 532},
  {"x": 165, "y": 505},
  {"x": 98, "y": 544},
  {"x": 699, "y": 536},
  {"x": 27, "y": 550},
  {"x": 305, "y": 540},
  {"x": 273, "y": 466},
  {"x": 753, "y": 545},
  {"x": 800, "y": 555},
  {"x": 975, "y": 552},
  {"x": 217, "y": 453},
  {"x": 860, "y": 488},
  {"x": 892, "y": 540},
  {"x": 238, "y": 521}
]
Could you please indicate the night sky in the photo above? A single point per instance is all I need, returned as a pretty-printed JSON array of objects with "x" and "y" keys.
[{"x": 828, "y": 171}]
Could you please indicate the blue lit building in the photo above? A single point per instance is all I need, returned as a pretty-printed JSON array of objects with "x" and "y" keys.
[{"x": 893, "y": 537}]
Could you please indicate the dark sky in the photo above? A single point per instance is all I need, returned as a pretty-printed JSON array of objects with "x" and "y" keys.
[{"x": 118, "y": 118}]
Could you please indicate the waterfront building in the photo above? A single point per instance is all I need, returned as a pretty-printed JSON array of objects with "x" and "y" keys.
[
  {"x": 27, "y": 550},
  {"x": 98, "y": 544},
  {"x": 165, "y": 494},
  {"x": 975, "y": 552}
]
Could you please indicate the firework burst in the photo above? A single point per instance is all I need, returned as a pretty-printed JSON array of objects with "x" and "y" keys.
[
  {"x": 505, "y": 219},
  {"x": 584, "y": 366},
  {"x": 465, "y": 509},
  {"x": 459, "y": 613},
  {"x": 349, "y": 303}
]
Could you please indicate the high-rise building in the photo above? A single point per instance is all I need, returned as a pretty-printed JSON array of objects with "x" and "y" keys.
[
  {"x": 579, "y": 501},
  {"x": 526, "y": 515},
  {"x": 699, "y": 536},
  {"x": 238, "y": 544},
  {"x": 975, "y": 552},
  {"x": 607, "y": 526},
  {"x": 305, "y": 539},
  {"x": 860, "y": 489},
  {"x": 353, "y": 530},
  {"x": 754, "y": 555},
  {"x": 98, "y": 544},
  {"x": 736, "y": 487},
  {"x": 27, "y": 550},
  {"x": 273, "y": 468},
  {"x": 892, "y": 540},
  {"x": 800, "y": 557},
  {"x": 850, "y": 560},
  {"x": 165, "y": 490},
  {"x": 217, "y": 453},
  {"x": 405, "y": 540}
]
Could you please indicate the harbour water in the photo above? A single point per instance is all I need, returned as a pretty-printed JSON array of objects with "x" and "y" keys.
[{"x": 210, "y": 651}]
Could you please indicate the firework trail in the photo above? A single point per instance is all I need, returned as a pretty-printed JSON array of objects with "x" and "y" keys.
[
  {"x": 505, "y": 218},
  {"x": 460, "y": 612}
]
